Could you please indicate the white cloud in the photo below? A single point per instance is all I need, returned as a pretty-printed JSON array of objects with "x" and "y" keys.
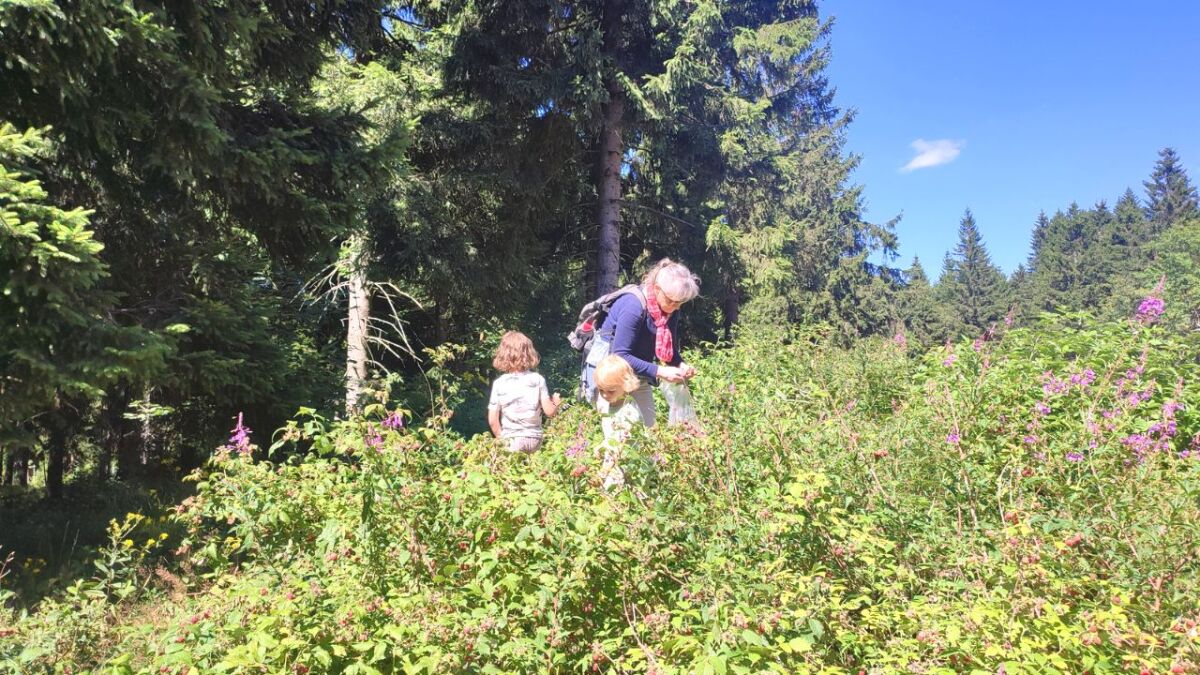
[{"x": 933, "y": 153}]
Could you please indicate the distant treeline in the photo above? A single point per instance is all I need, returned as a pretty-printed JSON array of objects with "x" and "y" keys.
[{"x": 1103, "y": 260}]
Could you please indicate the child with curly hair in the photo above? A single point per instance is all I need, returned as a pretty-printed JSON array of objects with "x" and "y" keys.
[{"x": 519, "y": 396}]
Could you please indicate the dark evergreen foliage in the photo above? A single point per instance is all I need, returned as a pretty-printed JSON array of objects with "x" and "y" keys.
[
  {"x": 972, "y": 291},
  {"x": 1170, "y": 195}
]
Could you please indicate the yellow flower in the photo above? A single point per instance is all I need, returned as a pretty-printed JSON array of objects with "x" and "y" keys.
[
  {"x": 163, "y": 536},
  {"x": 128, "y": 543}
]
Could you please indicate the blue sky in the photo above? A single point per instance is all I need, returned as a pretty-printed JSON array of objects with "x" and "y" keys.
[{"x": 1017, "y": 107}]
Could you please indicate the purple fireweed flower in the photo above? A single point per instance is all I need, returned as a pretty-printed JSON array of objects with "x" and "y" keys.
[
  {"x": 577, "y": 448},
  {"x": 1074, "y": 457},
  {"x": 977, "y": 345},
  {"x": 1149, "y": 310},
  {"x": 1008, "y": 318},
  {"x": 1051, "y": 384},
  {"x": 1139, "y": 445},
  {"x": 899, "y": 340},
  {"x": 952, "y": 438},
  {"x": 394, "y": 420},
  {"x": 1041, "y": 408},
  {"x": 949, "y": 360},
  {"x": 1029, "y": 439},
  {"x": 240, "y": 440},
  {"x": 1170, "y": 408},
  {"x": 375, "y": 442},
  {"x": 1084, "y": 379},
  {"x": 580, "y": 445}
]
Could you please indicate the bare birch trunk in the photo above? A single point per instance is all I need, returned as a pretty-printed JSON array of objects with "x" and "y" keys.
[
  {"x": 147, "y": 433},
  {"x": 357, "y": 319}
]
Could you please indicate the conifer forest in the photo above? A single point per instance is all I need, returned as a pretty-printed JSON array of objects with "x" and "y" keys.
[{"x": 259, "y": 259}]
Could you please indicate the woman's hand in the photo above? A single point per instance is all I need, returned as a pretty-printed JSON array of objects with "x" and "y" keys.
[
  {"x": 671, "y": 374},
  {"x": 687, "y": 370}
]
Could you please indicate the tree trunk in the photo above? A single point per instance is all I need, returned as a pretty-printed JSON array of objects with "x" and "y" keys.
[
  {"x": 22, "y": 467},
  {"x": 609, "y": 159},
  {"x": 612, "y": 151},
  {"x": 116, "y": 401},
  {"x": 357, "y": 319},
  {"x": 441, "y": 324},
  {"x": 9, "y": 463},
  {"x": 733, "y": 305},
  {"x": 56, "y": 452},
  {"x": 126, "y": 445},
  {"x": 147, "y": 432}
]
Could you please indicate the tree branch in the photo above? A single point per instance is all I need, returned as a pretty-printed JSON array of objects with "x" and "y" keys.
[{"x": 668, "y": 216}]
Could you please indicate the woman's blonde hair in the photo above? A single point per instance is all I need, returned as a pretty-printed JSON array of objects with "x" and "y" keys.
[
  {"x": 515, "y": 353},
  {"x": 675, "y": 280},
  {"x": 614, "y": 372}
]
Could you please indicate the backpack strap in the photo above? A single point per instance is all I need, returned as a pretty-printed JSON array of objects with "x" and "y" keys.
[{"x": 636, "y": 289}]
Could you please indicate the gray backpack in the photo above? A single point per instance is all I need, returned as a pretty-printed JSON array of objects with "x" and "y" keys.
[{"x": 591, "y": 318}]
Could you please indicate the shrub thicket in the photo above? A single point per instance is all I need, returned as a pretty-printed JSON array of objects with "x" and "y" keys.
[{"x": 1026, "y": 501}]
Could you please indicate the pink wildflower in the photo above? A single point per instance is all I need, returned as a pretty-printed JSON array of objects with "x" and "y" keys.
[
  {"x": 1149, "y": 310},
  {"x": 240, "y": 440},
  {"x": 1152, "y": 305},
  {"x": 394, "y": 420}
]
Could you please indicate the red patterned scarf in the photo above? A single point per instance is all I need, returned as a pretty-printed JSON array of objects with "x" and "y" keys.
[{"x": 664, "y": 346}]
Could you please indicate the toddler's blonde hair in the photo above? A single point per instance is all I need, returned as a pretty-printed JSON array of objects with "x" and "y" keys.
[{"x": 614, "y": 372}]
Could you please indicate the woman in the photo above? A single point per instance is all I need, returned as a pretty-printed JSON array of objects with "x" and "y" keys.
[{"x": 641, "y": 328}]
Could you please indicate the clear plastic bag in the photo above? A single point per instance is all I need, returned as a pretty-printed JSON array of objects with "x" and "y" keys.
[{"x": 679, "y": 400}]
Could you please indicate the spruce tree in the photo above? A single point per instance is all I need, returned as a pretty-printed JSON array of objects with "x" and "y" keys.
[
  {"x": 1037, "y": 240},
  {"x": 59, "y": 343},
  {"x": 1129, "y": 240},
  {"x": 1176, "y": 258},
  {"x": 917, "y": 307},
  {"x": 731, "y": 154},
  {"x": 1077, "y": 261},
  {"x": 973, "y": 291},
  {"x": 1170, "y": 195}
]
